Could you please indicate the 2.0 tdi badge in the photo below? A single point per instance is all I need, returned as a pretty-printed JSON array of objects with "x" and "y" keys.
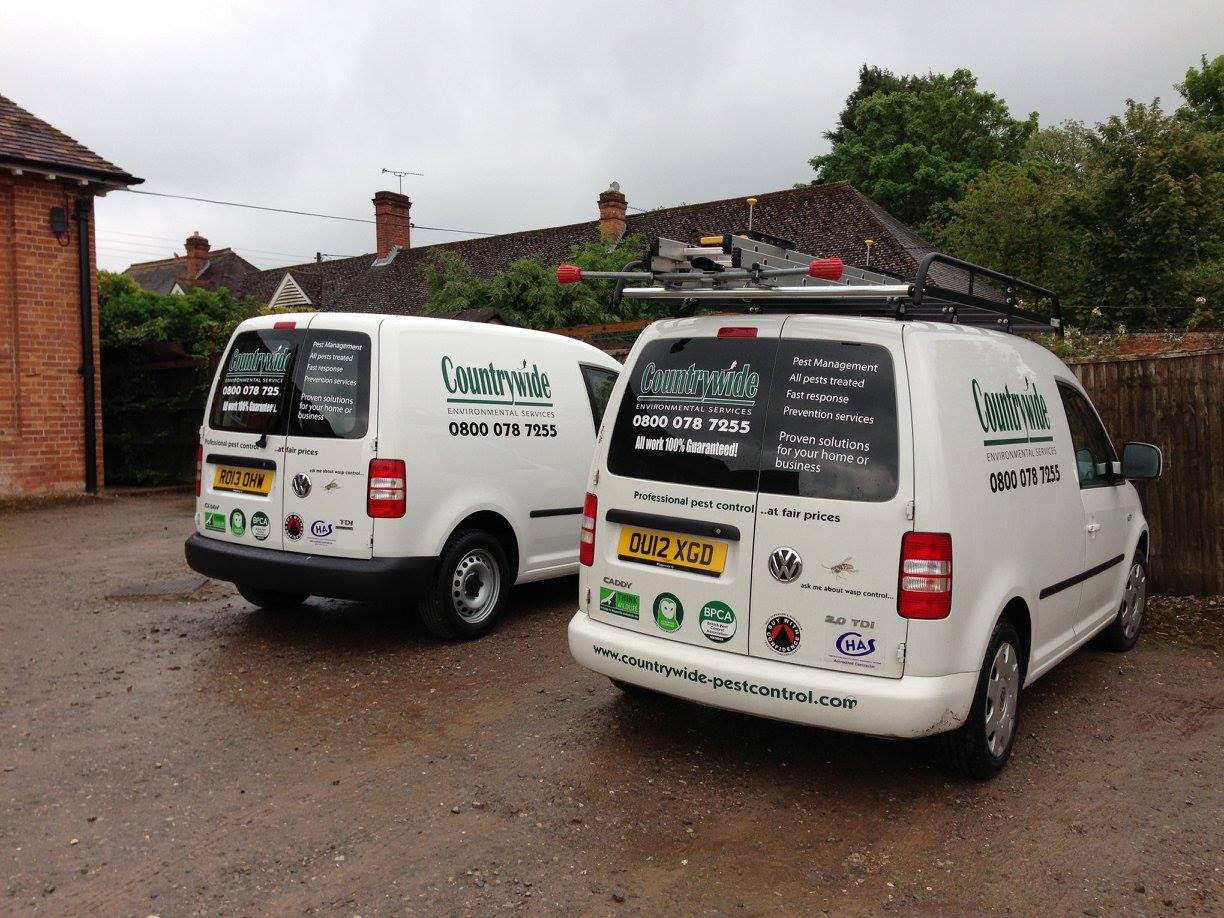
[{"x": 785, "y": 564}]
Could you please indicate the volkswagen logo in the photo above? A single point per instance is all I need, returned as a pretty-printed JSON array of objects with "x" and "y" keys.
[
  {"x": 785, "y": 564},
  {"x": 301, "y": 485}
]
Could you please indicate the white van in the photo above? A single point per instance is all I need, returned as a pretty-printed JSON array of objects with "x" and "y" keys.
[
  {"x": 363, "y": 456},
  {"x": 870, "y": 525}
]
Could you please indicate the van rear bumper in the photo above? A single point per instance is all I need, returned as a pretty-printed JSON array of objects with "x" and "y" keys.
[
  {"x": 904, "y": 708},
  {"x": 315, "y": 575}
]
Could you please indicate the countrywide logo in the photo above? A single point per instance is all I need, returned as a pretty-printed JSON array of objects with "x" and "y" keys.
[
  {"x": 732, "y": 385},
  {"x": 489, "y": 384},
  {"x": 1012, "y": 416},
  {"x": 258, "y": 363}
]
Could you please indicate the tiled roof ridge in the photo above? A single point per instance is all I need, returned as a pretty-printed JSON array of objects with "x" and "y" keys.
[{"x": 78, "y": 157}]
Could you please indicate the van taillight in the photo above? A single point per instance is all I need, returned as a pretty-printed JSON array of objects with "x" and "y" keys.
[
  {"x": 199, "y": 467},
  {"x": 924, "y": 589},
  {"x": 387, "y": 494},
  {"x": 586, "y": 547}
]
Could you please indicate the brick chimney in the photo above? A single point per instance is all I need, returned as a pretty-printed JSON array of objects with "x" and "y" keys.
[
  {"x": 391, "y": 221},
  {"x": 197, "y": 254},
  {"x": 612, "y": 206}
]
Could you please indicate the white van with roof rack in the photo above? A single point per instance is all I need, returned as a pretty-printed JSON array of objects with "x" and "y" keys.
[
  {"x": 818, "y": 513},
  {"x": 369, "y": 456}
]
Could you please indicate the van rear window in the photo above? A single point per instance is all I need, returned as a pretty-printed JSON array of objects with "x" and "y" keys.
[
  {"x": 331, "y": 388},
  {"x": 797, "y": 417},
  {"x": 694, "y": 412},
  {"x": 254, "y": 381},
  {"x": 832, "y": 426}
]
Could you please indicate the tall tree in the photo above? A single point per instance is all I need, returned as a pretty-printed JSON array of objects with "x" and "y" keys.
[
  {"x": 913, "y": 149},
  {"x": 1203, "y": 91},
  {"x": 1154, "y": 216},
  {"x": 1016, "y": 218}
]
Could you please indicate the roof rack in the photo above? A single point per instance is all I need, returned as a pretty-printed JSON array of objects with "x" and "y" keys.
[{"x": 756, "y": 273}]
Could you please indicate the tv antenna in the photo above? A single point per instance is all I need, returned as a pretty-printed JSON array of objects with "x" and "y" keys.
[{"x": 399, "y": 176}]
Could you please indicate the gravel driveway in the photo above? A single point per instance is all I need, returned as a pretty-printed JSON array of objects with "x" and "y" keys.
[{"x": 167, "y": 750}]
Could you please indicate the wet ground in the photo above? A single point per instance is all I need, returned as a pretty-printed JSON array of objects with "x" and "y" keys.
[{"x": 167, "y": 750}]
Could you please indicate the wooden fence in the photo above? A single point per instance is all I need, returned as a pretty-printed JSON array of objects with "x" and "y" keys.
[{"x": 1176, "y": 401}]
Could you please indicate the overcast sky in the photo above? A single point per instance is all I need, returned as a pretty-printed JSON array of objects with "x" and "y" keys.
[{"x": 519, "y": 114}]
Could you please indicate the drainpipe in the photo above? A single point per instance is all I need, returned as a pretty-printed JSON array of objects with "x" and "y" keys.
[{"x": 84, "y": 207}]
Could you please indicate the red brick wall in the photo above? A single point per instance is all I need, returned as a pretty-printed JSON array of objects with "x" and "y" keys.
[{"x": 42, "y": 404}]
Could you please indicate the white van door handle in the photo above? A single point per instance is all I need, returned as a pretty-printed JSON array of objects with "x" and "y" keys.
[{"x": 1094, "y": 528}]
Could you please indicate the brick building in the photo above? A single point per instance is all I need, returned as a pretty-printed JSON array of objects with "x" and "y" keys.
[{"x": 50, "y": 395}]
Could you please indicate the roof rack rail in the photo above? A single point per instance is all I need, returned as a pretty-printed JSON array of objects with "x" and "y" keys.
[{"x": 756, "y": 273}]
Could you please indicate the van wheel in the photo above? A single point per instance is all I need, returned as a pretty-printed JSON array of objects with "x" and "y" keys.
[
  {"x": 983, "y": 744},
  {"x": 270, "y": 599},
  {"x": 1123, "y": 632},
  {"x": 470, "y": 587}
]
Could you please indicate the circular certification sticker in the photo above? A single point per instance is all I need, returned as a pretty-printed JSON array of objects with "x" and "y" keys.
[
  {"x": 261, "y": 526},
  {"x": 717, "y": 622},
  {"x": 668, "y": 612},
  {"x": 237, "y": 523},
  {"x": 782, "y": 634},
  {"x": 294, "y": 527}
]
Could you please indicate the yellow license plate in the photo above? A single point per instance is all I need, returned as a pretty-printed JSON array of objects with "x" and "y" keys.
[
  {"x": 670, "y": 549},
  {"x": 248, "y": 481}
]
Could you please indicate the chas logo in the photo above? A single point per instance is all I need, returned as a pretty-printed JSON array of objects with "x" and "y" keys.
[
  {"x": 321, "y": 529},
  {"x": 853, "y": 644}
]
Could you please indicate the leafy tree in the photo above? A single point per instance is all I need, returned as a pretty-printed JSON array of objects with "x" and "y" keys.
[
  {"x": 1016, "y": 218},
  {"x": 1067, "y": 145},
  {"x": 872, "y": 81},
  {"x": 158, "y": 352},
  {"x": 1154, "y": 217},
  {"x": 915, "y": 148},
  {"x": 199, "y": 322},
  {"x": 528, "y": 293},
  {"x": 1203, "y": 91}
]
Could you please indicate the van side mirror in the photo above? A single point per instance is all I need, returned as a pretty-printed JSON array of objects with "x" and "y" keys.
[{"x": 1141, "y": 461}]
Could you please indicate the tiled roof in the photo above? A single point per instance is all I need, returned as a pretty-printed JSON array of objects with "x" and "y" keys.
[
  {"x": 225, "y": 268},
  {"x": 821, "y": 220},
  {"x": 26, "y": 140}
]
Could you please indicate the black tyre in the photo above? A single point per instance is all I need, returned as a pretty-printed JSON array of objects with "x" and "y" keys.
[
  {"x": 469, "y": 588},
  {"x": 1123, "y": 632},
  {"x": 983, "y": 744},
  {"x": 270, "y": 599}
]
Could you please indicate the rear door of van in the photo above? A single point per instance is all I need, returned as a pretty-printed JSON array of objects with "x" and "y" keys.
[
  {"x": 331, "y": 436},
  {"x": 242, "y": 473},
  {"x": 836, "y": 498},
  {"x": 677, "y": 500}
]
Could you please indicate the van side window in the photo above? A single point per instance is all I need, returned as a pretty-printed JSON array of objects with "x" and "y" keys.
[
  {"x": 331, "y": 387},
  {"x": 251, "y": 388},
  {"x": 1093, "y": 451},
  {"x": 599, "y": 383}
]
